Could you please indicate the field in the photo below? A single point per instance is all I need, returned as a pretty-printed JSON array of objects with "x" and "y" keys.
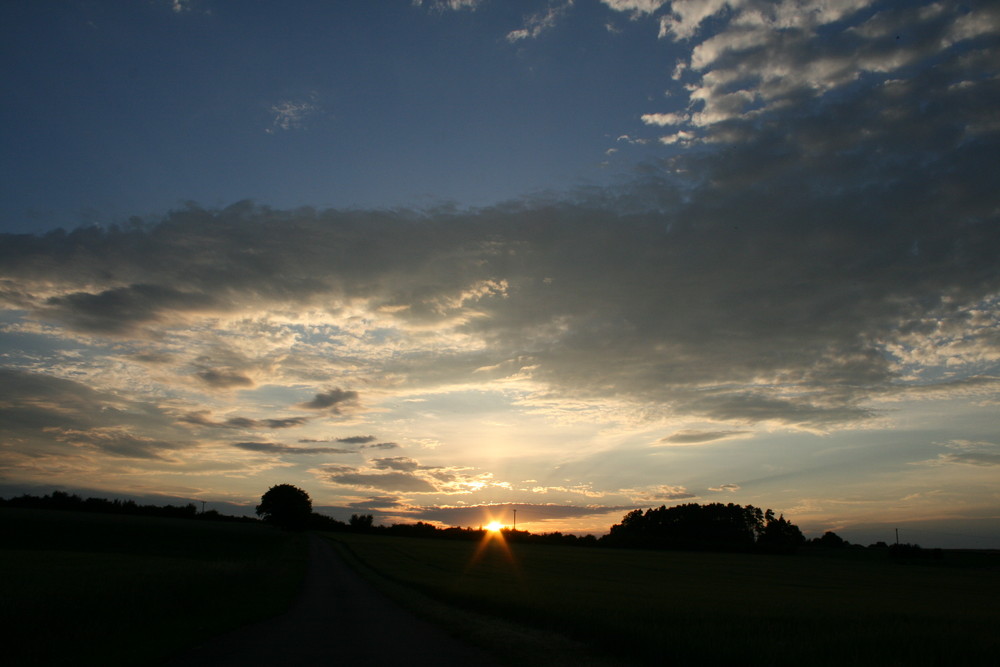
[
  {"x": 560, "y": 605},
  {"x": 90, "y": 589},
  {"x": 94, "y": 589}
]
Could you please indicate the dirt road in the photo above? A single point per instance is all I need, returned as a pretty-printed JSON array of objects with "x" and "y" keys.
[{"x": 337, "y": 619}]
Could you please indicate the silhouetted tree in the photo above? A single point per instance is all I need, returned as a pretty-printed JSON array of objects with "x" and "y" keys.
[
  {"x": 361, "y": 523},
  {"x": 286, "y": 506},
  {"x": 780, "y": 535},
  {"x": 690, "y": 526},
  {"x": 830, "y": 540}
]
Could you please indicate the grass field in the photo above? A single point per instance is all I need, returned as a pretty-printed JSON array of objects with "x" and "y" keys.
[
  {"x": 94, "y": 589},
  {"x": 642, "y": 607}
]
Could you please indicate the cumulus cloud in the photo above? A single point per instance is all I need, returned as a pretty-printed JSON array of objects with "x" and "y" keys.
[
  {"x": 661, "y": 494},
  {"x": 637, "y": 7},
  {"x": 772, "y": 56},
  {"x": 332, "y": 400}
]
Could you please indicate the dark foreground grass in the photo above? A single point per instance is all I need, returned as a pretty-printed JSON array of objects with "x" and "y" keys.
[
  {"x": 93, "y": 589},
  {"x": 643, "y": 607}
]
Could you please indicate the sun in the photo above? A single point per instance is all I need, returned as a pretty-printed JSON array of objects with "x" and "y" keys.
[{"x": 494, "y": 526}]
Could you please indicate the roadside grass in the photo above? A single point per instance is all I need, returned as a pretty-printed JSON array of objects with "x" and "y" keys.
[
  {"x": 645, "y": 607},
  {"x": 96, "y": 589}
]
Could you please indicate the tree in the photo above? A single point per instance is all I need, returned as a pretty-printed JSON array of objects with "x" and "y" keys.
[
  {"x": 780, "y": 535},
  {"x": 285, "y": 506},
  {"x": 690, "y": 526},
  {"x": 361, "y": 523}
]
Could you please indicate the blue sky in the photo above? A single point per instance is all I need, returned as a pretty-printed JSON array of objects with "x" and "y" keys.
[
  {"x": 439, "y": 260},
  {"x": 337, "y": 104}
]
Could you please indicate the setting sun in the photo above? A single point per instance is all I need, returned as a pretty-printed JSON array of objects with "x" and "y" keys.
[{"x": 494, "y": 526}]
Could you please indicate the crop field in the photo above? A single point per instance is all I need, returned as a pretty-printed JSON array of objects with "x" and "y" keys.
[
  {"x": 94, "y": 589},
  {"x": 684, "y": 608}
]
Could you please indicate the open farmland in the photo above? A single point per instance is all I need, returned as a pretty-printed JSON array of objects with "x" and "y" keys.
[
  {"x": 695, "y": 608},
  {"x": 94, "y": 589}
]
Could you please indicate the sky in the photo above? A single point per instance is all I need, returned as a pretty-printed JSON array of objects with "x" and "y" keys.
[{"x": 440, "y": 260}]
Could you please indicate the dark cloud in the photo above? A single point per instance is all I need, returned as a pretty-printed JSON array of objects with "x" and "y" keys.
[
  {"x": 331, "y": 400},
  {"x": 392, "y": 481},
  {"x": 381, "y": 445},
  {"x": 377, "y": 503},
  {"x": 400, "y": 463},
  {"x": 120, "y": 310},
  {"x": 286, "y": 422},
  {"x": 117, "y": 441},
  {"x": 224, "y": 379},
  {"x": 203, "y": 418},
  {"x": 275, "y": 448},
  {"x": 44, "y": 415},
  {"x": 357, "y": 439},
  {"x": 796, "y": 263}
]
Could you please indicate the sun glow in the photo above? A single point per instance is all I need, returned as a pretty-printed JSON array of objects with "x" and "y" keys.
[{"x": 494, "y": 526}]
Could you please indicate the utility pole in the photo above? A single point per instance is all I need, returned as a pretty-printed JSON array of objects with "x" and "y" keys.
[
  {"x": 897, "y": 537},
  {"x": 515, "y": 520},
  {"x": 203, "y": 507}
]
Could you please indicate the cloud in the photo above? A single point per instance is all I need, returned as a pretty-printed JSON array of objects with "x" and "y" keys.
[
  {"x": 537, "y": 23},
  {"x": 219, "y": 378},
  {"x": 275, "y": 448},
  {"x": 401, "y": 463},
  {"x": 725, "y": 487},
  {"x": 453, "y": 5},
  {"x": 291, "y": 114},
  {"x": 826, "y": 245},
  {"x": 357, "y": 439},
  {"x": 113, "y": 441},
  {"x": 50, "y": 418},
  {"x": 407, "y": 475},
  {"x": 390, "y": 481},
  {"x": 378, "y": 503},
  {"x": 122, "y": 310},
  {"x": 636, "y": 7},
  {"x": 966, "y": 452},
  {"x": 691, "y": 437},
  {"x": 664, "y": 119},
  {"x": 381, "y": 445},
  {"x": 203, "y": 418},
  {"x": 332, "y": 400},
  {"x": 663, "y": 493}
]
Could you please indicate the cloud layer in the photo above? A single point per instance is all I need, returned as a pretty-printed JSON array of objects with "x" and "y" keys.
[{"x": 815, "y": 245}]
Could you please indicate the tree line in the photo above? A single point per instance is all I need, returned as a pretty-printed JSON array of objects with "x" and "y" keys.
[
  {"x": 60, "y": 500},
  {"x": 692, "y": 526}
]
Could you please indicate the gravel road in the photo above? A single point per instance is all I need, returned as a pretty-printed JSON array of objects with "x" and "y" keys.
[{"x": 337, "y": 619}]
